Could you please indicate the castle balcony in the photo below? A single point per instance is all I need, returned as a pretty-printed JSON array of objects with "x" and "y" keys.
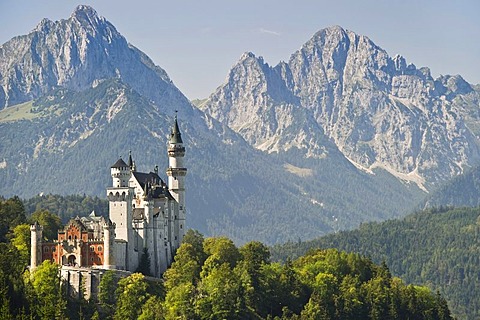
[
  {"x": 176, "y": 171},
  {"x": 176, "y": 151}
]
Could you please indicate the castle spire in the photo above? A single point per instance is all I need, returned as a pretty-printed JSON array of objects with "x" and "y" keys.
[
  {"x": 175, "y": 135},
  {"x": 131, "y": 163},
  {"x": 130, "y": 160}
]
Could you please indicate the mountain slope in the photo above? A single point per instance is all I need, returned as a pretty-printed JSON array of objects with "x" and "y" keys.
[
  {"x": 378, "y": 111},
  {"x": 72, "y": 54},
  {"x": 461, "y": 191},
  {"x": 70, "y": 138},
  {"x": 84, "y": 96},
  {"x": 434, "y": 247}
]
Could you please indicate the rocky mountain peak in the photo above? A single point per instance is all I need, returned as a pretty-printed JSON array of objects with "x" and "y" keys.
[
  {"x": 247, "y": 55},
  {"x": 86, "y": 15},
  {"x": 44, "y": 26},
  {"x": 75, "y": 53},
  {"x": 381, "y": 112}
]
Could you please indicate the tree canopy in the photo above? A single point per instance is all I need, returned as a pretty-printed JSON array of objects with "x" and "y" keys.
[{"x": 438, "y": 247}]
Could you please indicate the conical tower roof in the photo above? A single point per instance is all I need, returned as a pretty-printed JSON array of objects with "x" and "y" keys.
[{"x": 176, "y": 136}]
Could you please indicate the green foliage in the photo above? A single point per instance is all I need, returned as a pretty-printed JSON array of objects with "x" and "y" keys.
[
  {"x": 131, "y": 294},
  {"x": 66, "y": 207},
  {"x": 179, "y": 301},
  {"x": 47, "y": 298},
  {"x": 50, "y": 223},
  {"x": 12, "y": 290},
  {"x": 152, "y": 309},
  {"x": 144, "y": 264},
  {"x": 106, "y": 294},
  {"x": 323, "y": 284},
  {"x": 219, "y": 251},
  {"x": 21, "y": 238},
  {"x": 213, "y": 279},
  {"x": 438, "y": 247},
  {"x": 195, "y": 239},
  {"x": 220, "y": 295},
  {"x": 12, "y": 213}
]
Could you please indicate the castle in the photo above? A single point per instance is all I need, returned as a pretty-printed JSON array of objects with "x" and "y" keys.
[{"x": 146, "y": 221}]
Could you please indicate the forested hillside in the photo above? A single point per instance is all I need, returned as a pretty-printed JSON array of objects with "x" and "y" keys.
[
  {"x": 210, "y": 279},
  {"x": 436, "y": 247},
  {"x": 67, "y": 207},
  {"x": 463, "y": 190}
]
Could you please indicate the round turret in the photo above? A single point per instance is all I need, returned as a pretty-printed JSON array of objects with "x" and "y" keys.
[
  {"x": 36, "y": 245},
  {"x": 108, "y": 237}
]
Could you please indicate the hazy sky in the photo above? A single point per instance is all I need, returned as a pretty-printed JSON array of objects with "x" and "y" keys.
[{"x": 197, "y": 42}]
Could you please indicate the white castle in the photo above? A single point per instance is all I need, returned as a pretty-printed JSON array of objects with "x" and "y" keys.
[{"x": 146, "y": 216}]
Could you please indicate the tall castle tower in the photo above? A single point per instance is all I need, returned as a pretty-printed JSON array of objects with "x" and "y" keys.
[
  {"x": 176, "y": 173},
  {"x": 120, "y": 197}
]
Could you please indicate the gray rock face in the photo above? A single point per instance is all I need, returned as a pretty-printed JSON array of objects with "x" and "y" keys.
[
  {"x": 74, "y": 53},
  {"x": 379, "y": 111}
]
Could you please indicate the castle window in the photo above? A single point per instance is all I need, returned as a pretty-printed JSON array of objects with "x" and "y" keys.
[
  {"x": 92, "y": 248},
  {"x": 75, "y": 237},
  {"x": 69, "y": 237},
  {"x": 181, "y": 226},
  {"x": 54, "y": 249},
  {"x": 45, "y": 249},
  {"x": 99, "y": 248}
]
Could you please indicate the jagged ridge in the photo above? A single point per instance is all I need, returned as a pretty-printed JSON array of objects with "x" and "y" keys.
[{"x": 380, "y": 112}]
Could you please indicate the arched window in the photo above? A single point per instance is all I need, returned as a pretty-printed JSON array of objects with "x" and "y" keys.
[
  {"x": 45, "y": 249},
  {"x": 99, "y": 248}
]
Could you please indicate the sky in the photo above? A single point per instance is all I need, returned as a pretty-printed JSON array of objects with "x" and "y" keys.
[{"x": 197, "y": 42}]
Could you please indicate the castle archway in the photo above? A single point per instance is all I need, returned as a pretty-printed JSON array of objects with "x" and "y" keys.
[{"x": 71, "y": 260}]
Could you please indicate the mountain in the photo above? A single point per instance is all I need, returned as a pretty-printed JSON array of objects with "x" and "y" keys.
[
  {"x": 76, "y": 95},
  {"x": 73, "y": 54},
  {"x": 341, "y": 91},
  {"x": 436, "y": 247},
  {"x": 295, "y": 151}
]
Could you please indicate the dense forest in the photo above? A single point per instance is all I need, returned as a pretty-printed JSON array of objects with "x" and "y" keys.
[
  {"x": 461, "y": 191},
  {"x": 68, "y": 206},
  {"x": 210, "y": 279},
  {"x": 438, "y": 247}
]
